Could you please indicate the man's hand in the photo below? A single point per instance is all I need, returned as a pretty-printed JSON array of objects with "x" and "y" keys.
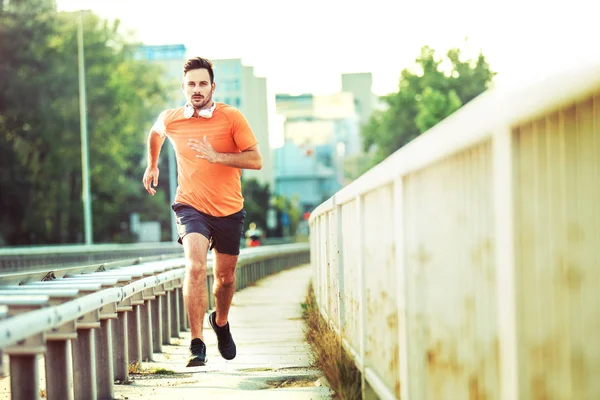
[
  {"x": 150, "y": 179},
  {"x": 205, "y": 149}
]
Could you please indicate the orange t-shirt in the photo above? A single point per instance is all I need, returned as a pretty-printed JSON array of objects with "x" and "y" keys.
[{"x": 213, "y": 189}]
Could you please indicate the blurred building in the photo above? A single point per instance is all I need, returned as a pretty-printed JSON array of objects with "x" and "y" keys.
[
  {"x": 319, "y": 131},
  {"x": 365, "y": 102},
  {"x": 360, "y": 85},
  {"x": 237, "y": 85},
  {"x": 171, "y": 57}
]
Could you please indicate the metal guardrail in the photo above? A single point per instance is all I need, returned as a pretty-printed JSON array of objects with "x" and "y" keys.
[
  {"x": 119, "y": 316},
  {"x": 28, "y": 258}
]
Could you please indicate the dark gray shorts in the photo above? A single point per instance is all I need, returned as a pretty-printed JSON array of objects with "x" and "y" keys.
[{"x": 223, "y": 233}]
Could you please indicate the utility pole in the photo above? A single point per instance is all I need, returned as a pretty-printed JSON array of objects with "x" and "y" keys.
[{"x": 85, "y": 179}]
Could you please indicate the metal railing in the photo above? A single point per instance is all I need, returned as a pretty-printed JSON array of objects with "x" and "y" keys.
[
  {"x": 101, "y": 322},
  {"x": 40, "y": 258},
  {"x": 465, "y": 265}
]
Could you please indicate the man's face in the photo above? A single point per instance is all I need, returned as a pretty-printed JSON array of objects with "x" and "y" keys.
[{"x": 197, "y": 88}]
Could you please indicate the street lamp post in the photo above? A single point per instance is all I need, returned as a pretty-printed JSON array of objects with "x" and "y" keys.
[{"x": 85, "y": 179}]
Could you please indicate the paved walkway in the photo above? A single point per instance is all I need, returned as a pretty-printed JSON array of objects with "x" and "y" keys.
[{"x": 272, "y": 358}]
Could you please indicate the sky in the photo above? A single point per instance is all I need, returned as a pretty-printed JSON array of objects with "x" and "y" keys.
[{"x": 305, "y": 46}]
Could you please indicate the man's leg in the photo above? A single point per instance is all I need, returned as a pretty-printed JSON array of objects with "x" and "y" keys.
[
  {"x": 224, "y": 287},
  {"x": 195, "y": 294},
  {"x": 227, "y": 234}
]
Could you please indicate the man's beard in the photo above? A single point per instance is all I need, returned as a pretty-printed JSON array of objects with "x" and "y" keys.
[{"x": 204, "y": 103}]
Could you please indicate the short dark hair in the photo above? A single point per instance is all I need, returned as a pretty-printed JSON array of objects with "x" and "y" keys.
[{"x": 199, "y": 63}]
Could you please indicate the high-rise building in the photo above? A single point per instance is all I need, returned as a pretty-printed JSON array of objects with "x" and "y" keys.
[
  {"x": 319, "y": 131},
  {"x": 238, "y": 86}
]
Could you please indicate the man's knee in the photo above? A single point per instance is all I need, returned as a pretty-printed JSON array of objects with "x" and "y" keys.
[
  {"x": 226, "y": 278},
  {"x": 195, "y": 267}
]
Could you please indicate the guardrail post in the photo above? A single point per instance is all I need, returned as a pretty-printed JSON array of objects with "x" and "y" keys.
[
  {"x": 183, "y": 322},
  {"x": 2, "y": 365},
  {"x": 120, "y": 345},
  {"x": 104, "y": 367},
  {"x": 241, "y": 277},
  {"x": 104, "y": 353},
  {"x": 59, "y": 373},
  {"x": 166, "y": 315},
  {"x": 133, "y": 334},
  {"x": 146, "y": 330},
  {"x": 210, "y": 281},
  {"x": 156, "y": 308},
  {"x": 174, "y": 313},
  {"x": 24, "y": 377},
  {"x": 84, "y": 359}
]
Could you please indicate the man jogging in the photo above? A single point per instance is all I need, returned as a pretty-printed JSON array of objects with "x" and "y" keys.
[{"x": 212, "y": 143}]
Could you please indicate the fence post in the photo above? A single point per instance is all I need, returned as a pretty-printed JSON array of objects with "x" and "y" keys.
[
  {"x": 401, "y": 291},
  {"x": 361, "y": 294},
  {"x": 340, "y": 264},
  {"x": 503, "y": 196}
]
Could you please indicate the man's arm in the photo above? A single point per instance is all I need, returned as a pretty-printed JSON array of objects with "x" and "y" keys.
[
  {"x": 247, "y": 159},
  {"x": 150, "y": 180},
  {"x": 155, "y": 142}
]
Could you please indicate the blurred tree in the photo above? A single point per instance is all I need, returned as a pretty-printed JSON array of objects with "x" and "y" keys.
[
  {"x": 40, "y": 147},
  {"x": 256, "y": 203},
  {"x": 289, "y": 206},
  {"x": 424, "y": 98}
]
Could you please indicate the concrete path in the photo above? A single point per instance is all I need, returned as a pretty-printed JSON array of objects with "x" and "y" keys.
[{"x": 272, "y": 358}]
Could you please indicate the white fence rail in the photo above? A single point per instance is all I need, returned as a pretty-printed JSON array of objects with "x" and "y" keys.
[
  {"x": 90, "y": 327},
  {"x": 466, "y": 265}
]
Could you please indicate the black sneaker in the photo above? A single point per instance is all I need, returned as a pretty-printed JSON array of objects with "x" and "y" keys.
[
  {"x": 197, "y": 356},
  {"x": 224, "y": 339}
]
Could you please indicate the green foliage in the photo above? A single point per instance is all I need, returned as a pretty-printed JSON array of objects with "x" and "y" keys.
[
  {"x": 258, "y": 199},
  {"x": 424, "y": 98},
  {"x": 256, "y": 203},
  {"x": 40, "y": 142},
  {"x": 289, "y": 206}
]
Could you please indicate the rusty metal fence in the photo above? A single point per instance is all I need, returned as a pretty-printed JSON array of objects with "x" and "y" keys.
[
  {"x": 90, "y": 326},
  {"x": 466, "y": 265}
]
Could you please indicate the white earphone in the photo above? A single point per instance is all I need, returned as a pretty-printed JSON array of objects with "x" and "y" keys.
[{"x": 188, "y": 112}]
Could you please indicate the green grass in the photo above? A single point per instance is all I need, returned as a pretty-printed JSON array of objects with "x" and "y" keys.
[
  {"x": 162, "y": 371},
  {"x": 328, "y": 354},
  {"x": 136, "y": 368}
]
